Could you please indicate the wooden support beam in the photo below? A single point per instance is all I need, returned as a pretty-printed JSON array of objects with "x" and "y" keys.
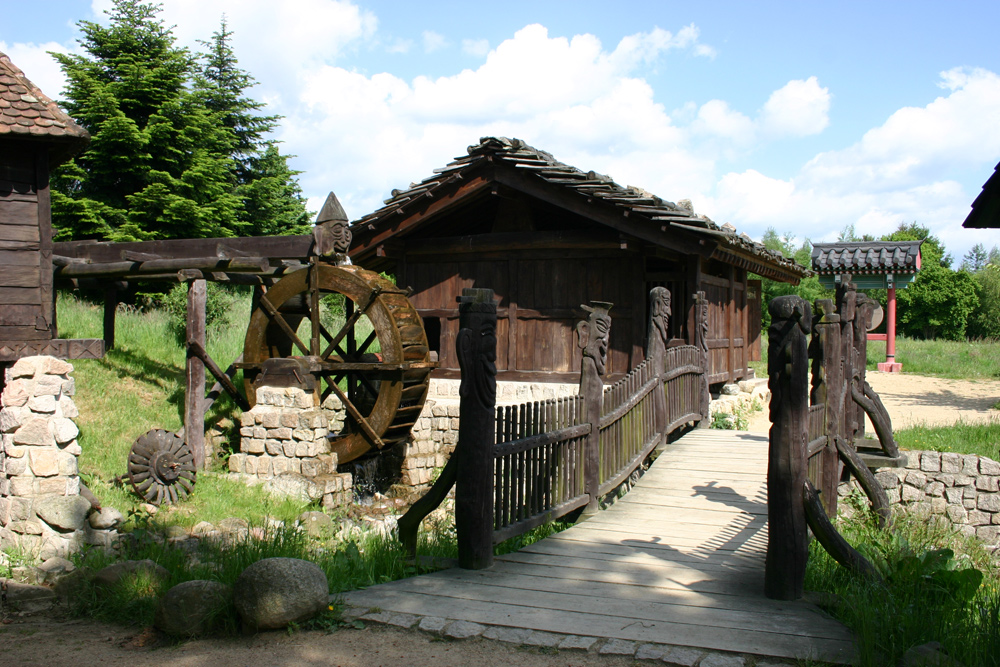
[
  {"x": 110, "y": 309},
  {"x": 476, "y": 346},
  {"x": 194, "y": 395}
]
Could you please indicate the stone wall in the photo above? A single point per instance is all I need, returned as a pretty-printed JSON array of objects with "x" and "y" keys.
[
  {"x": 283, "y": 443},
  {"x": 41, "y": 509},
  {"x": 963, "y": 488}
]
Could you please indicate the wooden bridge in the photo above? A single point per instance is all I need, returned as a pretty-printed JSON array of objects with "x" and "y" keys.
[{"x": 678, "y": 560}]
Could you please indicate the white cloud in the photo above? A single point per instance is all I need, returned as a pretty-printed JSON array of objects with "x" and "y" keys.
[
  {"x": 40, "y": 67},
  {"x": 433, "y": 41},
  {"x": 476, "y": 47},
  {"x": 565, "y": 95},
  {"x": 898, "y": 172},
  {"x": 400, "y": 46},
  {"x": 798, "y": 109}
]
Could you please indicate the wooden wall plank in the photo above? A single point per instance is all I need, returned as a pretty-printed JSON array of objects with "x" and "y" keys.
[
  {"x": 19, "y": 276},
  {"x": 19, "y": 316},
  {"x": 19, "y": 258},
  {"x": 16, "y": 232},
  {"x": 20, "y": 296}
]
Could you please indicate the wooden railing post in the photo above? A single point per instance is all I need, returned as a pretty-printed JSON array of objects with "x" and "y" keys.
[
  {"x": 476, "y": 346},
  {"x": 788, "y": 371},
  {"x": 194, "y": 394},
  {"x": 847, "y": 297},
  {"x": 701, "y": 342},
  {"x": 656, "y": 351},
  {"x": 593, "y": 335},
  {"x": 828, "y": 390}
]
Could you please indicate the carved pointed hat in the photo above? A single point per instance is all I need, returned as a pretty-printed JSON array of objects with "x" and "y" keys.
[{"x": 332, "y": 211}]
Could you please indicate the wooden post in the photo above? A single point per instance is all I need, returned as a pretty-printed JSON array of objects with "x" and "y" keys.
[
  {"x": 863, "y": 311},
  {"x": 110, "y": 309},
  {"x": 657, "y": 336},
  {"x": 846, "y": 300},
  {"x": 701, "y": 342},
  {"x": 593, "y": 334},
  {"x": 788, "y": 371},
  {"x": 476, "y": 346},
  {"x": 828, "y": 390},
  {"x": 194, "y": 395}
]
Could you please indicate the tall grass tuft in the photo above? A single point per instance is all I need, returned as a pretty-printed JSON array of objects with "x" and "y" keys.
[{"x": 940, "y": 586}]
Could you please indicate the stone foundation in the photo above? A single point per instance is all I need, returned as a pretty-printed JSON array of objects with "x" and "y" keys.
[
  {"x": 283, "y": 442},
  {"x": 41, "y": 509},
  {"x": 740, "y": 397},
  {"x": 961, "y": 488}
]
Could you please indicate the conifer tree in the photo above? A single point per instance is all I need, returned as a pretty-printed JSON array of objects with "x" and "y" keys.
[{"x": 175, "y": 148}]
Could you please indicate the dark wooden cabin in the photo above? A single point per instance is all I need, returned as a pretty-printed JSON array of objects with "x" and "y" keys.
[
  {"x": 35, "y": 136},
  {"x": 548, "y": 237}
]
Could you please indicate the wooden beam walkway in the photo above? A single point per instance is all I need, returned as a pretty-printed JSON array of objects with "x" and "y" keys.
[{"x": 679, "y": 560}]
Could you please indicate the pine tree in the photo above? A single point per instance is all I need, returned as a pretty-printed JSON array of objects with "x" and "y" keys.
[
  {"x": 272, "y": 201},
  {"x": 177, "y": 151}
]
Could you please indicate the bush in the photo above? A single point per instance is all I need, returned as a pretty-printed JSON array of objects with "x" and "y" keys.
[{"x": 220, "y": 301}]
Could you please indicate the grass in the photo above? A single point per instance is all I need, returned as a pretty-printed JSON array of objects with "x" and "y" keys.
[
  {"x": 940, "y": 587},
  {"x": 982, "y": 438}
]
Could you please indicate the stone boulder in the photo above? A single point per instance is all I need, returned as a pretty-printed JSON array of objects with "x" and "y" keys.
[
  {"x": 274, "y": 592},
  {"x": 112, "y": 575},
  {"x": 64, "y": 513},
  {"x": 316, "y": 523},
  {"x": 105, "y": 518},
  {"x": 28, "y": 599},
  {"x": 192, "y": 608}
]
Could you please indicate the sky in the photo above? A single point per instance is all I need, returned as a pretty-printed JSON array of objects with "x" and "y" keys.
[{"x": 799, "y": 116}]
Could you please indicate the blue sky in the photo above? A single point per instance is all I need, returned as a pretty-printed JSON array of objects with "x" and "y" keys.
[{"x": 807, "y": 117}]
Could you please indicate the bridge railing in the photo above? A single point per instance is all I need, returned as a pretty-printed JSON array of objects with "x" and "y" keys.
[
  {"x": 817, "y": 427},
  {"x": 518, "y": 467}
]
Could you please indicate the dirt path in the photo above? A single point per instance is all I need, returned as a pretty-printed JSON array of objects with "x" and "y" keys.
[
  {"x": 918, "y": 399},
  {"x": 42, "y": 642}
]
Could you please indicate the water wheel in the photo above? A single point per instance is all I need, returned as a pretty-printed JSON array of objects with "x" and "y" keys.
[
  {"x": 161, "y": 467},
  {"x": 372, "y": 354}
]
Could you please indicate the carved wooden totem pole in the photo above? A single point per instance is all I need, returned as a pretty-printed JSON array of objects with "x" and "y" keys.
[
  {"x": 788, "y": 371},
  {"x": 593, "y": 336},
  {"x": 656, "y": 347},
  {"x": 701, "y": 342},
  {"x": 476, "y": 346}
]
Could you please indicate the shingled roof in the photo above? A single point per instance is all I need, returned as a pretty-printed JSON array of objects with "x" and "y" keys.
[
  {"x": 986, "y": 208},
  {"x": 27, "y": 113},
  {"x": 866, "y": 257},
  {"x": 635, "y": 202}
]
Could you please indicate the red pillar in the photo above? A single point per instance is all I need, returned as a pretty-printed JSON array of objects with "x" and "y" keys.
[{"x": 890, "y": 364}]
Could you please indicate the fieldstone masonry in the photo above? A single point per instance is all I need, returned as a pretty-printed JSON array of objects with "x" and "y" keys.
[
  {"x": 41, "y": 509},
  {"x": 283, "y": 440},
  {"x": 962, "y": 488}
]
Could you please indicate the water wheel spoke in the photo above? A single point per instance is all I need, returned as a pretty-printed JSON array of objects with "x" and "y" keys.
[
  {"x": 281, "y": 322},
  {"x": 358, "y": 417},
  {"x": 367, "y": 342},
  {"x": 314, "y": 342}
]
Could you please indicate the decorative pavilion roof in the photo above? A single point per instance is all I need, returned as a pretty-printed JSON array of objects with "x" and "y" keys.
[
  {"x": 591, "y": 186},
  {"x": 866, "y": 257},
  {"x": 986, "y": 208},
  {"x": 27, "y": 113}
]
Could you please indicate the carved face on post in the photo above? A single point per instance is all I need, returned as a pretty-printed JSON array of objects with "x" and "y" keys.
[
  {"x": 476, "y": 346},
  {"x": 594, "y": 333},
  {"x": 659, "y": 313},
  {"x": 340, "y": 234}
]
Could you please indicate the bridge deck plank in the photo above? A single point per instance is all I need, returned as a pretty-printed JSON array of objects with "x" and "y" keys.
[{"x": 678, "y": 560}]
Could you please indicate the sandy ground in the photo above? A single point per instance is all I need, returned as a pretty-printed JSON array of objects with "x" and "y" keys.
[
  {"x": 43, "y": 641},
  {"x": 917, "y": 399}
]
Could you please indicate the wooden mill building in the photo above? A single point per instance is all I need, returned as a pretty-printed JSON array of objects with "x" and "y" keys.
[
  {"x": 548, "y": 237},
  {"x": 35, "y": 137}
]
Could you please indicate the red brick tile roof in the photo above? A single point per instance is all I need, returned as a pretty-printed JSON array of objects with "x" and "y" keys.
[{"x": 27, "y": 113}]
